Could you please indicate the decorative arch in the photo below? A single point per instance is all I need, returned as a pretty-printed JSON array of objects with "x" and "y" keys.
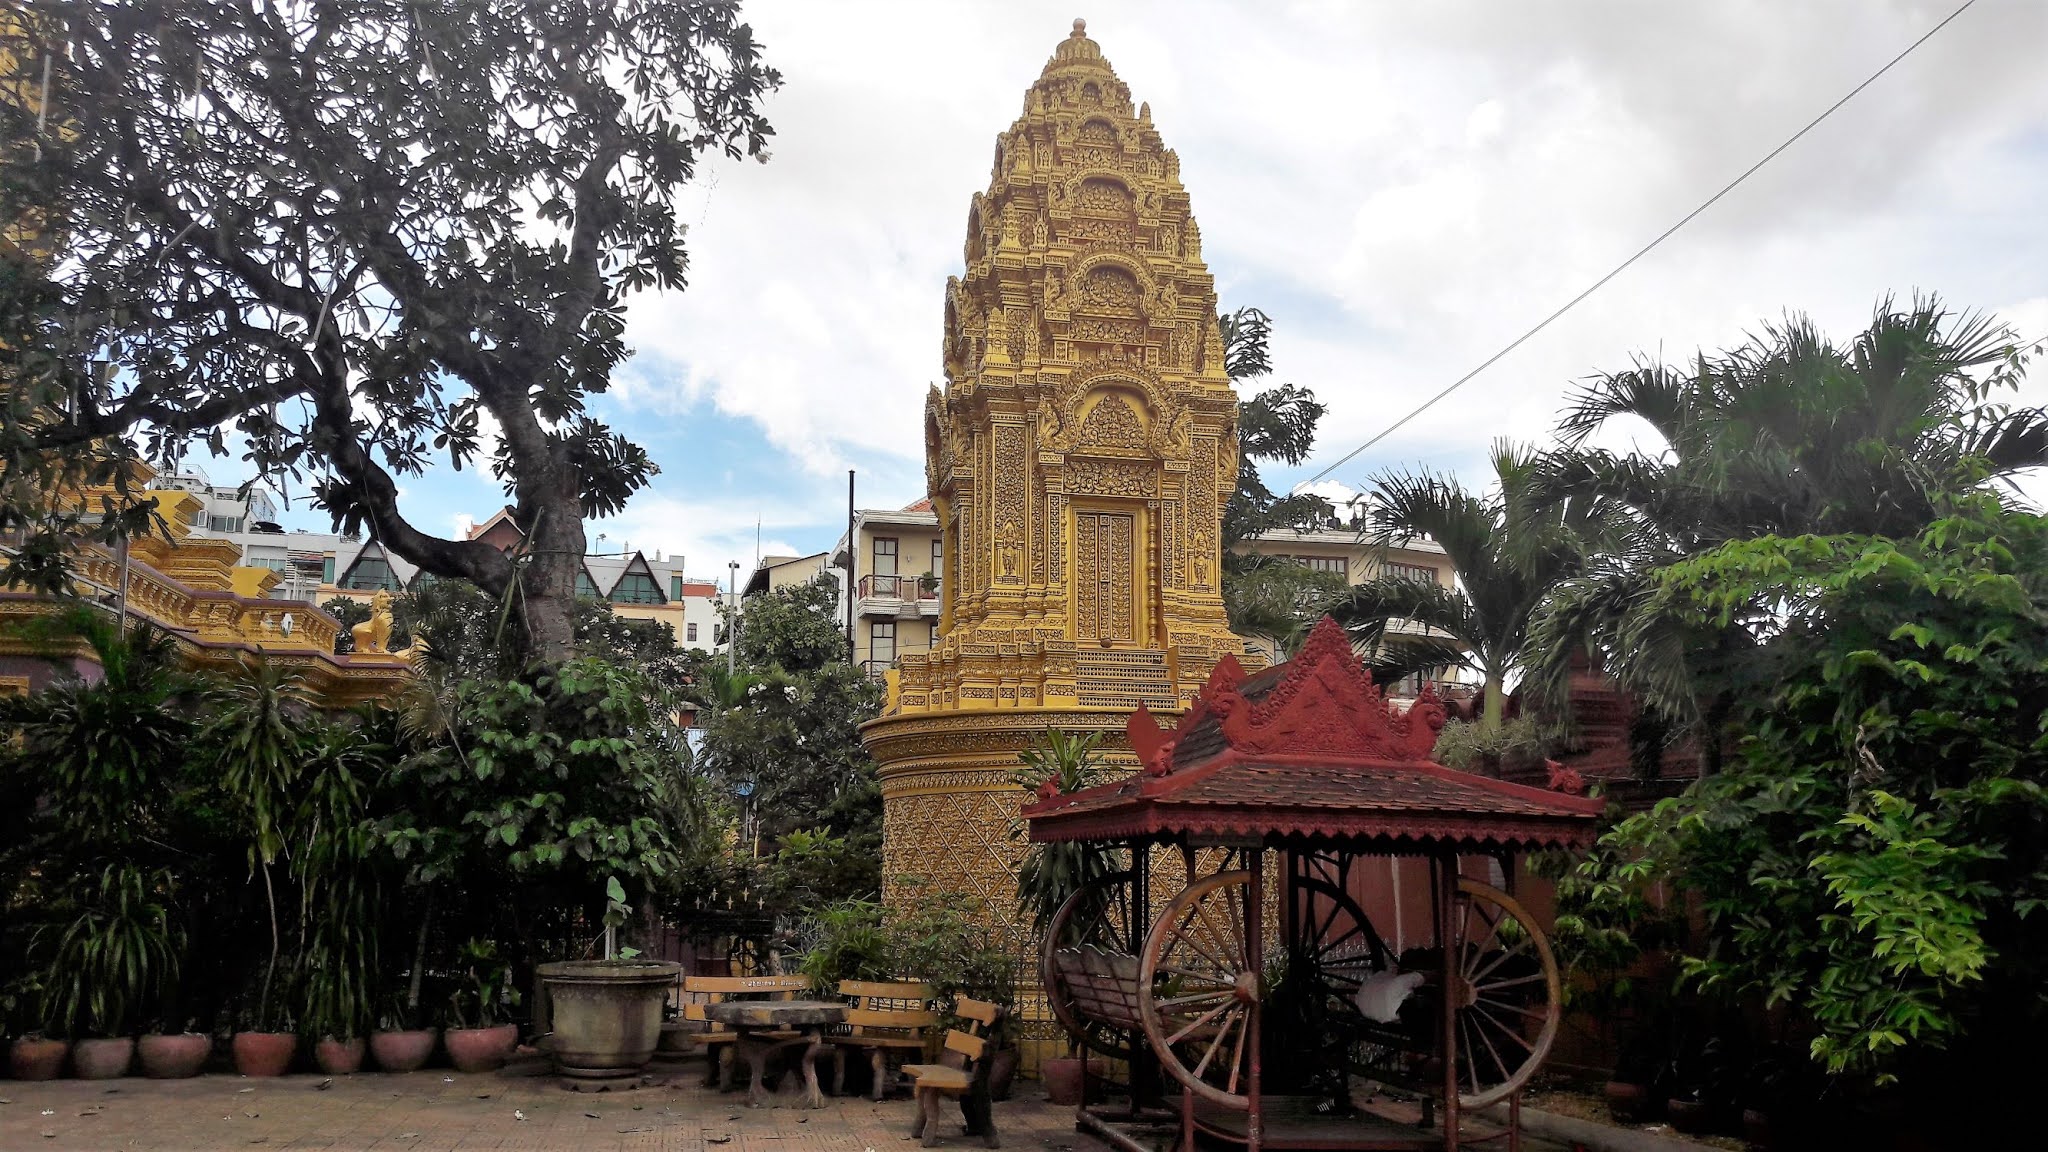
[
  {"x": 1063, "y": 420},
  {"x": 1097, "y": 130},
  {"x": 1090, "y": 259},
  {"x": 1070, "y": 188}
]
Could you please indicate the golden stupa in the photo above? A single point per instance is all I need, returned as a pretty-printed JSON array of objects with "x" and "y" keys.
[{"x": 1079, "y": 460}]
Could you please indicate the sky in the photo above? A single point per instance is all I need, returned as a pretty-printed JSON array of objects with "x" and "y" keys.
[{"x": 1403, "y": 187}]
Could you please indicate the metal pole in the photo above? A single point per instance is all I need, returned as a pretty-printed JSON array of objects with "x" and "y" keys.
[
  {"x": 732, "y": 616},
  {"x": 121, "y": 624},
  {"x": 852, "y": 561}
]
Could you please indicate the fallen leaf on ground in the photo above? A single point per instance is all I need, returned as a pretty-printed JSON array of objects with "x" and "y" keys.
[
  {"x": 483, "y": 1095},
  {"x": 324, "y": 1085},
  {"x": 719, "y": 1139},
  {"x": 593, "y": 1115},
  {"x": 49, "y": 1134},
  {"x": 239, "y": 1091},
  {"x": 408, "y": 1135},
  {"x": 518, "y": 1115}
]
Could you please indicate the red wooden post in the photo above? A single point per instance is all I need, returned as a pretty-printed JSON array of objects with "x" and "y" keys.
[
  {"x": 1446, "y": 917},
  {"x": 1255, "y": 957}
]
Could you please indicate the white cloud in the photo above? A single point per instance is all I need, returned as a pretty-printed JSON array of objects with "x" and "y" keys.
[{"x": 1405, "y": 187}]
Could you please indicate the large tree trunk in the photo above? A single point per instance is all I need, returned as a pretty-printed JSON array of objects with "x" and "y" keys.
[{"x": 547, "y": 582}]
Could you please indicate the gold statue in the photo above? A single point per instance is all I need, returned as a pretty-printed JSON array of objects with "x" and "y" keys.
[{"x": 374, "y": 635}]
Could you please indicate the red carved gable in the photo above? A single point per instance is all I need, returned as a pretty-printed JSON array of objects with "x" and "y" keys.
[{"x": 1326, "y": 704}]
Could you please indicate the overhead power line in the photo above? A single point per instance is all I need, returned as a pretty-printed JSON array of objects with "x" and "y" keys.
[{"x": 1645, "y": 250}]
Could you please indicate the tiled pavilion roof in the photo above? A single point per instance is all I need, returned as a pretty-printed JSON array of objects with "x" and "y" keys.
[{"x": 1309, "y": 750}]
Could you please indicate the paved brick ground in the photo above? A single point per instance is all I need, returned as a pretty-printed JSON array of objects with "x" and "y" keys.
[{"x": 440, "y": 1111}]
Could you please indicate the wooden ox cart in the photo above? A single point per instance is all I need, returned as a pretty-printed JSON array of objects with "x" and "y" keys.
[{"x": 1284, "y": 806}]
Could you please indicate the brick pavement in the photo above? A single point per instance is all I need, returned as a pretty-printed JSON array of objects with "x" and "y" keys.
[{"x": 441, "y": 1111}]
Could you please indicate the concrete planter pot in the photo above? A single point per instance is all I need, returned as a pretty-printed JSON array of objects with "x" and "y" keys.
[
  {"x": 103, "y": 1059},
  {"x": 37, "y": 1059},
  {"x": 177, "y": 1056},
  {"x": 339, "y": 1057},
  {"x": 402, "y": 1051},
  {"x": 606, "y": 1013},
  {"x": 481, "y": 1049},
  {"x": 264, "y": 1053}
]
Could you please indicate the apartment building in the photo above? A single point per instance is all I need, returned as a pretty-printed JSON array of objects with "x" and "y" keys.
[
  {"x": 638, "y": 587},
  {"x": 897, "y": 559},
  {"x": 1349, "y": 553}
]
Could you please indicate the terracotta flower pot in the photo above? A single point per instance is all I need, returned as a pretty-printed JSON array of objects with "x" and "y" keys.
[
  {"x": 1627, "y": 1103},
  {"x": 1690, "y": 1116},
  {"x": 402, "y": 1051},
  {"x": 264, "y": 1053},
  {"x": 339, "y": 1057},
  {"x": 481, "y": 1049},
  {"x": 1062, "y": 1080},
  {"x": 607, "y": 1014},
  {"x": 103, "y": 1059},
  {"x": 1756, "y": 1127},
  {"x": 173, "y": 1057},
  {"x": 37, "y": 1059},
  {"x": 1002, "y": 1072}
]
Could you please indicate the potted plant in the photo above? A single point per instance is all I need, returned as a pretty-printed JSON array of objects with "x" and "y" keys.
[
  {"x": 114, "y": 955},
  {"x": 34, "y": 1056},
  {"x": 477, "y": 1040},
  {"x": 173, "y": 1055},
  {"x": 1058, "y": 763},
  {"x": 398, "y": 1044},
  {"x": 607, "y": 1013}
]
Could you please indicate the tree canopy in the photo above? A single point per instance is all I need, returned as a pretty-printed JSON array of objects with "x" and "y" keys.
[{"x": 360, "y": 237}]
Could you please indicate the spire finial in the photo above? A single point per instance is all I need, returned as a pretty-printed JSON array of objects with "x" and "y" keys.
[{"x": 1080, "y": 28}]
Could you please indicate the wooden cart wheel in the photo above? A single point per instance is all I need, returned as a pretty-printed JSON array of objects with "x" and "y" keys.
[
  {"x": 1100, "y": 915},
  {"x": 1337, "y": 940},
  {"x": 1506, "y": 992},
  {"x": 1198, "y": 995}
]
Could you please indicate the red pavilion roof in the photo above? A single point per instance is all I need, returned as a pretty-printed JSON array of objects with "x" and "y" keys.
[{"x": 1309, "y": 749}]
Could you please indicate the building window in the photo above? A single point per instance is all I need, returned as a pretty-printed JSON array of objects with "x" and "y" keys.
[
  {"x": 586, "y": 588},
  {"x": 224, "y": 523},
  {"x": 675, "y": 591},
  {"x": 933, "y": 643},
  {"x": 1335, "y": 565},
  {"x": 882, "y": 641},
  {"x": 372, "y": 574},
  {"x": 637, "y": 588},
  {"x": 938, "y": 558},
  {"x": 690, "y": 633},
  {"x": 327, "y": 570},
  {"x": 1419, "y": 573},
  {"x": 885, "y": 556}
]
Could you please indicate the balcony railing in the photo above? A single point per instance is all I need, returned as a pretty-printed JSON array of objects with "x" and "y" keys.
[{"x": 896, "y": 588}]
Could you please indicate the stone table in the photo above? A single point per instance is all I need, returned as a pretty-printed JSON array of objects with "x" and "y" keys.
[{"x": 766, "y": 1026}]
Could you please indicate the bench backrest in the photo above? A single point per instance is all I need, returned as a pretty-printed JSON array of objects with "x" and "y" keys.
[
  {"x": 715, "y": 989},
  {"x": 899, "y": 1010},
  {"x": 964, "y": 1048}
]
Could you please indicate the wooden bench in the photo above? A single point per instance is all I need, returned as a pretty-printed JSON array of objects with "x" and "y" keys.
[
  {"x": 882, "y": 1018},
  {"x": 717, "y": 1038},
  {"x": 962, "y": 1074}
]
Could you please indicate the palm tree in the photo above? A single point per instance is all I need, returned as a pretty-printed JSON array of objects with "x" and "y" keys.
[
  {"x": 1787, "y": 435},
  {"x": 1507, "y": 553}
]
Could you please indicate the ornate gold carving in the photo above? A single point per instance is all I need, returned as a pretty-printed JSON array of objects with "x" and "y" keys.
[
  {"x": 1112, "y": 424},
  {"x": 1073, "y": 455}
]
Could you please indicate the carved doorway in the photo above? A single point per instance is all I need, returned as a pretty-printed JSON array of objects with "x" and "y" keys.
[{"x": 1105, "y": 577}]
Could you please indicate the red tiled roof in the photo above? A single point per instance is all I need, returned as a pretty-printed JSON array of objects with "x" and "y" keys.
[
  {"x": 1309, "y": 748},
  {"x": 924, "y": 505}
]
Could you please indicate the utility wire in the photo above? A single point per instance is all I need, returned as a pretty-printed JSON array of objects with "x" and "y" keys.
[{"x": 1645, "y": 250}]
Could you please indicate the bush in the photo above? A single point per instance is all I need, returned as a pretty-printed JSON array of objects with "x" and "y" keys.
[{"x": 1466, "y": 745}]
